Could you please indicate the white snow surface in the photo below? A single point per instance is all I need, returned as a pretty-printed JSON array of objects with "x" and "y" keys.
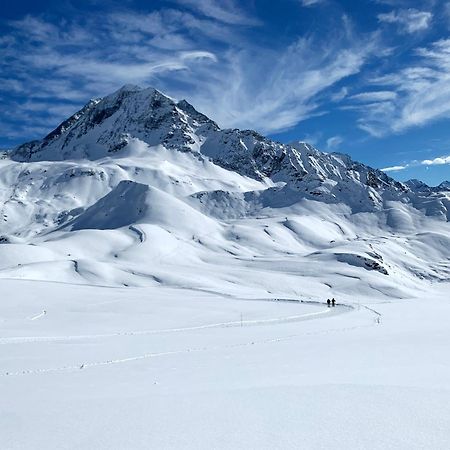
[
  {"x": 163, "y": 285},
  {"x": 153, "y": 367}
]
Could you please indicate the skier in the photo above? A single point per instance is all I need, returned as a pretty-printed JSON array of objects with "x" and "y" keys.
[
  {"x": 328, "y": 302},
  {"x": 333, "y": 302}
]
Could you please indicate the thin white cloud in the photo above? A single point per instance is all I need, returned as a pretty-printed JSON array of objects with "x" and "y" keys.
[
  {"x": 272, "y": 91},
  {"x": 334, "y": 142},
  {"x": 70, "y": 62},
  {"x": 409, "y": 20},
  {"x": 224, "y": 11},
  {"x": 245, "y": 85},
  {"x": 438, "y": 161},
  {"x": 308, "y": 3},
  {"x": 339, "y": 95},
  {"x": 396, "y": 3},
  {"x": 375, "y": 96},
  {"x": 422, "y": 93},
  {"x": 394, "y": 168},
  {"x": 313, "y": 139}
]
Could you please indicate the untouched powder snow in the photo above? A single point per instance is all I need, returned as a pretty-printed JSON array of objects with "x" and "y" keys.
[
  {"x": 163, "y": 285},
  {"x": 180, "y": 368}
]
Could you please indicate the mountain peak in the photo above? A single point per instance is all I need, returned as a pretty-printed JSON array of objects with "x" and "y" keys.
[
  {"x": 419, "y": 186},
  {"x": 416, "y": 185},
  {"x": 106, "y": 127},
  {"x": 129, "y": 88},
  {"x": 444, "y": 186},
  {"x": 103, "y": 127}
]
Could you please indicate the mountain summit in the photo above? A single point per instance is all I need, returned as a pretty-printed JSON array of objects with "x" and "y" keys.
[
  {"x": 102, "y": 127},
  {"x": 105, "y": 127}
]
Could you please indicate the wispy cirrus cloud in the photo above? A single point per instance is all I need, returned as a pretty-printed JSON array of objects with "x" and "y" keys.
[
  {"x": 408, "y": 20},
  {"x": 374, "y": 96},
  {"x": 308, "y": 3},
  {"x": 284, "y": 86},
  {"x": 243, "y": 85},
  {"x": 224, "y": 10},
  {"x": 334, "y": 142},
  {"x": 68, "y": 62},
  {"x": 410, "y": 97}
]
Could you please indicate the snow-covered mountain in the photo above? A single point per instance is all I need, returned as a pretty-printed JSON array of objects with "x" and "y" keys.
[
  {"x": 138, "y": 188},
  {"x": 420, "y": 186},
  {"x": 104, "y": 126}
]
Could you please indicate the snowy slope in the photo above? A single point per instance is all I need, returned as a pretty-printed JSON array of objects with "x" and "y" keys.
[
  {"x": 162, "y": 285},
  {"x": 104, "y": 128},
  {"x": 137, "y": 189},
  {"x": 85, "y": 367}
]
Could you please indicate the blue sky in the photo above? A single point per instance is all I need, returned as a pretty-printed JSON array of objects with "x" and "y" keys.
[{"x": 370, "y": 78}]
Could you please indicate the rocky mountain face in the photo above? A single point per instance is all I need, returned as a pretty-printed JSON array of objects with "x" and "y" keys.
[
  {"x": 137, "y": 188},
  {"x": 444, "y": 186},
  {"x": 105, "y": 127},
  {"x": 419, "y": 186},
  {"x": 102, "y": 127}
]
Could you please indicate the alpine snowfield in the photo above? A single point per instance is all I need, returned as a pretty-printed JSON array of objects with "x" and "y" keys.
[
  {"x": 114, "y": 368},
  {"x": 163, "y": 284}
]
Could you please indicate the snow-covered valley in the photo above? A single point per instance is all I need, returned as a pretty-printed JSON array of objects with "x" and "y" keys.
[
  {"x": 176, "y": 368},
  {"x": 163, "y": 284}
]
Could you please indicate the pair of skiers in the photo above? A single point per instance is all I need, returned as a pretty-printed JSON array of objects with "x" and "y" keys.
[{"x": 331, "y": 302}]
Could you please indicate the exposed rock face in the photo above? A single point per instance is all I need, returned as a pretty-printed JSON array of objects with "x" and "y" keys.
[{"x": 104, "y": 127}]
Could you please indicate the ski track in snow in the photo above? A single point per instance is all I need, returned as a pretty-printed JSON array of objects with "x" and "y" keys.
[
  {"x": 139, "y": 191},
  {"x": 339, "y": 309},
  {"x": 149, "y": 355},
  {"x": 38, "y": 316}
]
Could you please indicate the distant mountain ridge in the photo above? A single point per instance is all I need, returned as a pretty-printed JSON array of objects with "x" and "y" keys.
[{"x": 104, "y": 127}]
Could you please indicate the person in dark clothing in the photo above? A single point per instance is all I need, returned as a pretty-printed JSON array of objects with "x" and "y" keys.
[
  {"x": 328, "y": 302},
  {"x": 333, "y": 302}
]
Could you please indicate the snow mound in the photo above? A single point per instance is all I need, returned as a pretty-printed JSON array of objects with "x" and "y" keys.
[
  {"x": 124, "y": 205},
  {"x": 136, "y": 203}
]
